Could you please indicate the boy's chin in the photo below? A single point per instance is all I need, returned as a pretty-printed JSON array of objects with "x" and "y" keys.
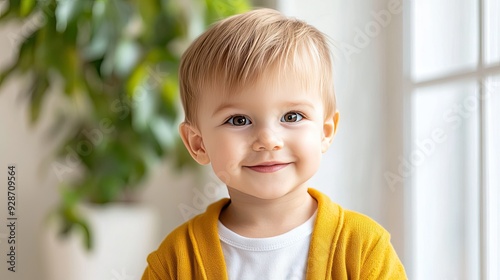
[{"x": 265, "y": 194}]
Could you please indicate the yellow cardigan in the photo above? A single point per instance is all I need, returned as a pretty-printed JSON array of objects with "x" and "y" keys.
[{"x": 344, "y": 245}]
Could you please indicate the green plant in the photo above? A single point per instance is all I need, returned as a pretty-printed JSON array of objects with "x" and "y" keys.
[{"x": 116, "y": 63}]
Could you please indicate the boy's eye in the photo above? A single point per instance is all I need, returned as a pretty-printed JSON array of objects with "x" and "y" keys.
[
  {"x": 238, "y": 120},
  {"x": 291, "y": 117}
]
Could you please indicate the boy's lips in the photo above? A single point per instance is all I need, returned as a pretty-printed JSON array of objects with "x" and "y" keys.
[{"x": 268, "y": 167}]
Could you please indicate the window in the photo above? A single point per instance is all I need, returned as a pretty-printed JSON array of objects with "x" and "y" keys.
[{"x": 453, "y": 82}]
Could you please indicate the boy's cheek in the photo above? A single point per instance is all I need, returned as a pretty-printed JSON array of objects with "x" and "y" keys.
[{"x": 224, "y": 169}]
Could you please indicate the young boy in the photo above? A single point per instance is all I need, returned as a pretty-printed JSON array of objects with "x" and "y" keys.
[{"x": 258, "y": 96}]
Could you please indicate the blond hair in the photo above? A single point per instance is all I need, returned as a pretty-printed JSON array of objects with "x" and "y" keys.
[{"x": 240, "y": 50}]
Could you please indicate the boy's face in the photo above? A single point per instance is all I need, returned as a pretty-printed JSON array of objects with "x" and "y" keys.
[{"x": 265, "y": 141}]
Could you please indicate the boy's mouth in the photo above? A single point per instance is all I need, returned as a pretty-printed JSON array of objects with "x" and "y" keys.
[{"x": 268, "y": 167}]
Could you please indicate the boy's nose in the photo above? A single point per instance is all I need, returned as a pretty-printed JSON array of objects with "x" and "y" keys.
[{"x": 267, "y": 140}]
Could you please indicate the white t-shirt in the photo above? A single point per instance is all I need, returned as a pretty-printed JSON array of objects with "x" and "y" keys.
[{"x": 278, "y": 257}]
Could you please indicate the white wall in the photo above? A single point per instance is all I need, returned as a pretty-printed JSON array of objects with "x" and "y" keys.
[{"x": 26, "y": 148}]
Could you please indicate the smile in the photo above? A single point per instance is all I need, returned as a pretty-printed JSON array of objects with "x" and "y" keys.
[{"x": 268, "y": 167}]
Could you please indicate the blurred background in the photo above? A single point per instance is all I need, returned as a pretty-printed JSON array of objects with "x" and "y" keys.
[{"x": 88, "y": 117}]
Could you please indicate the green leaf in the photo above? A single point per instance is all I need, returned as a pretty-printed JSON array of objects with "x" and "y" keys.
[
  {"x": 136, "y": 79},
  {"x": 26, "y": 7},
  {"x": 13, "y": 10},
  {"x": 66, "y": 11},
  {"x": 6, "y": 73},
  {"x": 181, "y": 156},
  {"x": 138, "y": 174},
  {"x": 73, "y": 220},
  {"x": 39, "y": 86},
  {"x": 8, "y": 13},
  {"x": 24, "y": 59},
  {"x": 170, "y": 96},
  {"x": 69, "y": 196},
  {"x": 218, "y": 9},
  {"x": 110, "y": 187},
  {"x": 70, "y": 70},
  {"x": 148, "y": 10},
  {"x": 87, "y": 236}
]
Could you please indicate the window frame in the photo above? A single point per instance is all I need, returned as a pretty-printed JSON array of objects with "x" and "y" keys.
[{"x": 480, "y": 74}]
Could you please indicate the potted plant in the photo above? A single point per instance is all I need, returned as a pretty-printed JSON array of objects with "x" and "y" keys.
[{"x": 114, "y": 62}]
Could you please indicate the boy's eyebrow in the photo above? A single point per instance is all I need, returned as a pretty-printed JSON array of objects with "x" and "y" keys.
[
  {"x": 302, "y": 103},
  {"x": 221, "y": 107},
  {"x": 226, "y": 105}
]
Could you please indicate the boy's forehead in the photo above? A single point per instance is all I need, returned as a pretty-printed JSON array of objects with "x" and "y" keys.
[
  {"x": 261, "y": 93},
  {"x": 271, "y": 80}
]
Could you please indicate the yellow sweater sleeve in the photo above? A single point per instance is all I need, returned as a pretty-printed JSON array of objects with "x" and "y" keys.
[
  {"x": 191, "y": 251},
  {"x": 349, "y": 245},
  {"x": 154, "y": 267},
  {"x": 363, "y": 250},
  {"x": 382, "y": 262}
]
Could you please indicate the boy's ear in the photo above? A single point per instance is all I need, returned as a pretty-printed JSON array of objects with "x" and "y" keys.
[
  {"x": 194, "y": 143},
  {"x": 329, "y": 130}
]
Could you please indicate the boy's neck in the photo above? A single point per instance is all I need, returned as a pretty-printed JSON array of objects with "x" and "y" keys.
[{"x": 253, "y": 217}]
